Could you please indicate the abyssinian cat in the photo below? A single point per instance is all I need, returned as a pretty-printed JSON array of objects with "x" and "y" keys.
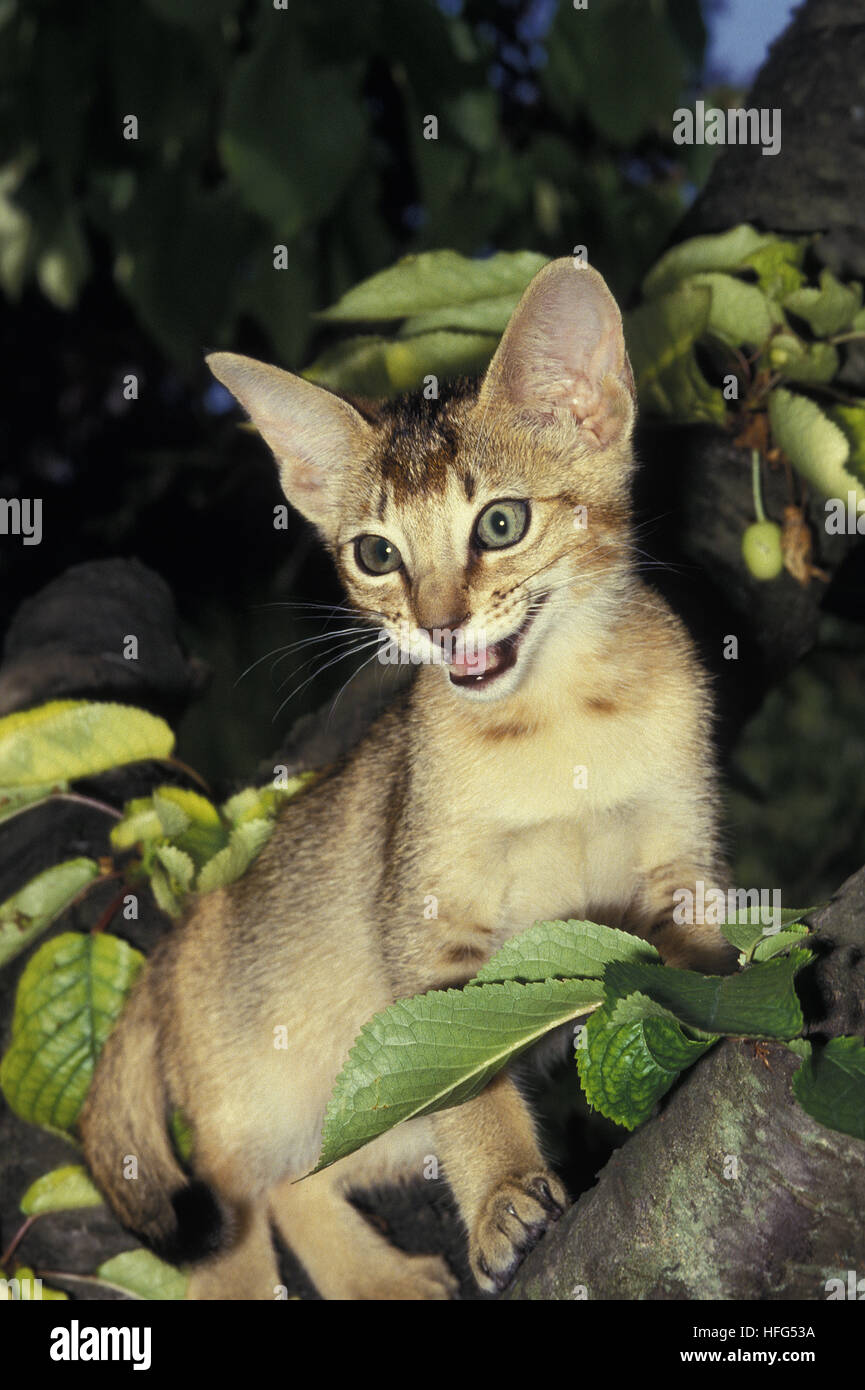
[{"x": 564, "y": 770}]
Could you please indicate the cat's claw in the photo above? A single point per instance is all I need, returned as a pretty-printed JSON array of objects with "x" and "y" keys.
[{"x": 513, "y": 1219}]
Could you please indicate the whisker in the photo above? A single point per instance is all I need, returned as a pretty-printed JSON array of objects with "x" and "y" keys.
[{"x": 343, "y": 655}]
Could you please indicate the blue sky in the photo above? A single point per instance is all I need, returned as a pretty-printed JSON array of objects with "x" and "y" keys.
[{"x": 740, "y": 34}]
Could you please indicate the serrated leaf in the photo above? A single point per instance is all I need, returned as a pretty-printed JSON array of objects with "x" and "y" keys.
[
  {"x": 745, "y": 934},
  {"x": 440, "y": 1049},
  {"x": 739, "y": 314},
  {"x": 564, "y": 950},
  {"x": 63, "y": 1189},
  {"x": 726, "y": 252},
  {"x": 782, "y": 941},
  {"x": 191, "y": 821},
  {"x": 777, "y": 268},
  {"x": 434, "y": 280},
  {"x": 178, "y": 865},
  {"x": 140, "y": 825},
  {"x": 759, "y": 1002},
  {"x": 68, "y": 739},
  {"x": 661, "y": 336},
  {"x": 24, "y": 1287},
  {"x": 850, "y": 419},
  {"x": 815, "y": 446},
  {"x": 827, "y": 310},
  {"x": 830, "y": 1085},
  {"x": 258, "y": 803},
  {"x": 140, "y": 1273},
  {"x": 814, "y": 362},
  {"x": 245, "y": 843},
  {"x": 69, "y": 998},
  {"x": 633, "y": 1051},
  {"x": 40, "y": 902}
]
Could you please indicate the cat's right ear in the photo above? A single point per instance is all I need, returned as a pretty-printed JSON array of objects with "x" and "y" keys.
[{"x": 315, "y": 436}]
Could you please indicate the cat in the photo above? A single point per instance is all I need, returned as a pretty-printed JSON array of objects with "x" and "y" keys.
[{"x": 558, "y": 765}]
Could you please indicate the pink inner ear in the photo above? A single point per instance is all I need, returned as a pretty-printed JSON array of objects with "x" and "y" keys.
[{"x": 565, "y": 350}]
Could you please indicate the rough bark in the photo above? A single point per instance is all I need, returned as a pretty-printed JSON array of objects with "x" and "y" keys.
[{"x": 666, "y": 1220}]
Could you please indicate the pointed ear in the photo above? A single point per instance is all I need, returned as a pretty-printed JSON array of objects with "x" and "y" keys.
[
  {"x": 564, "y": 352},
  {"x": 315, "y": 436}
]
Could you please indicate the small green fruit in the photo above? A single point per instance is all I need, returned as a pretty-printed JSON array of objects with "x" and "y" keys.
[{"x": 761, "y": 550}]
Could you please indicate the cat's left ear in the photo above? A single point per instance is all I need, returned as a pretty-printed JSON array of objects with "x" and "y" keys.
[{"x": 563, "y": 355}]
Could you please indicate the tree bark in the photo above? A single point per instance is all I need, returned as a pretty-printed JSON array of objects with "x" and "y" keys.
[{"x": 732, "y": 1190}]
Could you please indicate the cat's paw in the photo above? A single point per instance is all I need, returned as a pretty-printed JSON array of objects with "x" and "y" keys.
[
  {"x": 512, "y": 1220},
  {"x": 417, "y": 1277}
]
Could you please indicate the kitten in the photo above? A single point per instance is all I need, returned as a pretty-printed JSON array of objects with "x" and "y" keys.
[{"x": 557, "y": 765}]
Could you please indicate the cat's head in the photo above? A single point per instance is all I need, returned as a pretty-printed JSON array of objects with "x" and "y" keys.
[{"x": 475, "y": 527}]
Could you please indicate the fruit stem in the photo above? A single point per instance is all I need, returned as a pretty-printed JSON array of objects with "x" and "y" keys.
[{"x": 755, "y": 484}]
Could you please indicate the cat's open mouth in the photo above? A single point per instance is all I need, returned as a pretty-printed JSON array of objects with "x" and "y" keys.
[{"x": 493, "y": 662}]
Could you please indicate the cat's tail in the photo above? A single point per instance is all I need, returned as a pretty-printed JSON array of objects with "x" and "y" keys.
[{"x": 124, "y": 1127}]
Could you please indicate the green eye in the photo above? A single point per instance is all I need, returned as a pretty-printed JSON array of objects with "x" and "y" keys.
[
  {"x": 375, "y": 555},
  {"x": 501, "y": 524}
]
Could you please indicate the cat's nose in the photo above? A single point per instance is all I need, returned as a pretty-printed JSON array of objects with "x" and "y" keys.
[{"x": 438, "y": 606}]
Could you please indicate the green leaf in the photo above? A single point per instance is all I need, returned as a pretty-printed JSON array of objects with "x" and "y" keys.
[
  {"x": 69, "y": 998},
  {"x": 182, "y": 1135},
  {"x": 191, "y": 821},
  {"x": 15, "y": 800},
  {"x": 60, "y": 1190},
  {"x": 178, "y": 865},
  {"x": 759, "y": 1002},
  {"x": 661, "y": 337},
  {"x": 482, "y": 316},
  {"x": 829, "y": 309},
  {"x": 294, "y": 133},
  {"x": 633, "y": 1051},
  {"x": 140, "y": 1273},
  {"x": 850, "y": 419},
  {"x": 64, "y": 263},
  {"x": 27, "y": 1288},
  {"x": 440, "y": 1049},
  {"x": 817, "y": 449},
  {"x": 73, "y": 738},
  {"x": 259, "y": 803},
  {"x": 801, "y": 361},
  {"x": 245, "y": 843},
  {"x": 435, "y": 280},
  {"x": 354, "y": 365},
  {"x": 830, "y": 1085},
  {"x": 564, "y": 950},
  {"x": 739, "y": 313},
  {"x": 171, "y": 873},
  {"x": 35, "y": 906},
  {"x": 777, "y": 267},
  {"x": 782, "y": 941},
  {"x": 140, "y": 825},
  {"x": 745, "y": 934},
  {"x": 727, "y": 252},
  {"x": 387, "y": 366}
]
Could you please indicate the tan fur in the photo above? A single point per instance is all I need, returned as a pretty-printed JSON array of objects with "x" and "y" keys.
[{"x": 475, "y": 801}]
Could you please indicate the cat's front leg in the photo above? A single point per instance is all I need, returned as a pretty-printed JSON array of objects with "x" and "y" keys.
[{"x": 507, "y": 1195}]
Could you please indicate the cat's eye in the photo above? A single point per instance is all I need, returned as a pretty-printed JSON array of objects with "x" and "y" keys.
[
  {"x": 501, "y": 524},
  {"x": 376, "y": 555}
]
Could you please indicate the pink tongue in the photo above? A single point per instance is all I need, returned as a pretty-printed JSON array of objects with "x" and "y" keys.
[{"x": 482, "y": 662}]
